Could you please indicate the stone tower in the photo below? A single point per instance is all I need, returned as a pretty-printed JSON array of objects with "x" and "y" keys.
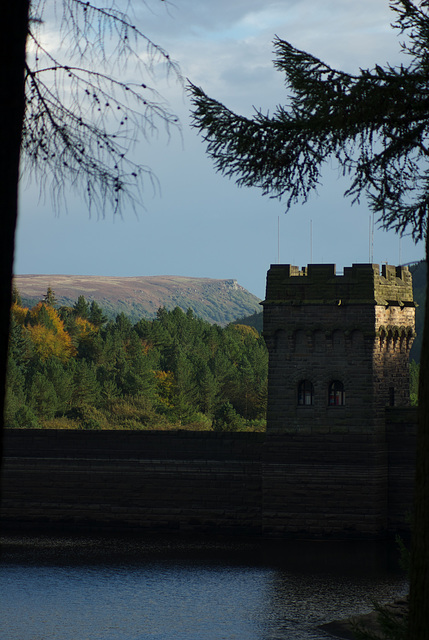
[{"x": 338, "y": 346}]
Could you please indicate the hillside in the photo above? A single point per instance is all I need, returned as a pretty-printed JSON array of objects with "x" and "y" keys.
[{"x": 217, "y": 301}]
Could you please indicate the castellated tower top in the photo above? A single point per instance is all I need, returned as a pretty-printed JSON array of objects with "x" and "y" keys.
[
  {"x": 338, "y": 346},
  {"x": 319, "y": 284}
]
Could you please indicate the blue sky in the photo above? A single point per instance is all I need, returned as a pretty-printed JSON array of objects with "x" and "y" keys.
[{"x": 201, "y": 224}]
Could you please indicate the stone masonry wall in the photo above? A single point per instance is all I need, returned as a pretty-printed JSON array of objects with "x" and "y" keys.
[
  {"x": 321, "y": 344},
  {"x": 392, "y": 346},
  {"x": 401, "y": 438},
  {"x": 330, "y": 484},
  {"x": 155, "y": 481},
  {"x": 299, "y": 484}
]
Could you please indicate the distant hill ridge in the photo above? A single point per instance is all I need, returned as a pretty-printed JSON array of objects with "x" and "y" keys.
[{"x": 217, "y": 301}]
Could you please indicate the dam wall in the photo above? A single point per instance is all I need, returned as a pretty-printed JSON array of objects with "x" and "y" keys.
[{"x": 341, "y": 483}]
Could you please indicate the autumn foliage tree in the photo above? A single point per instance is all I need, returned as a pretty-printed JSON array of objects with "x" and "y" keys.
[
  {"x": 71, "y": 114},
  {"x": 48, "y": 334},
  {"x": 170, "y": 372}
]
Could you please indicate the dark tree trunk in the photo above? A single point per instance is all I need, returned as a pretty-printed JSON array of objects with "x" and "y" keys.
[
  {"x": 12, "y": 104},
  {"x": 419, "y": 577}
]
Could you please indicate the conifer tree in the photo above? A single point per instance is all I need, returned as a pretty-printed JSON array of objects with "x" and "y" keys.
[
  {"x": 70, "y": 116},
  {"x": 16, "y": 296},
  {"x": 96, "y": 315},
  {"x": 376, "y": 125},
  {"x": 81, "y": 308},
  {"x": 49, "y": 298}
]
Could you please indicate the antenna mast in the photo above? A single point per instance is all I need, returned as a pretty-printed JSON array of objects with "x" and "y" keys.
[{"x": 371, "y": 238}]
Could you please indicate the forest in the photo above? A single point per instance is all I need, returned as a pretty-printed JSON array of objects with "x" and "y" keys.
[{"x": 70, "y": 367}]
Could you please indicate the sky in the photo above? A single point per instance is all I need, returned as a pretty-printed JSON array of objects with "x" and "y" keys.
[{"x": 201, "y": 224}]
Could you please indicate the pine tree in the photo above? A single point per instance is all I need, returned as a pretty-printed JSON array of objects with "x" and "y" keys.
[
  {"x": 376, "y": 125},
  {"x": 16, "y": 296},
  {"x": 96, "y": 315},
  {"x": 208, "y": 388},
  {"x": 81, "y": 308},
  {"x": 49, "y": 298},
  {"x": 73, "y": 119},
  {"x": 43, "y": 397},
  {"x": 61, "y": 379},
  {"x": 86, "y": 388}
]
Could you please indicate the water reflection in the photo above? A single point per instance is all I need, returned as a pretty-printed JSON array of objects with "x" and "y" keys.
[{"x": 187, "y": 589}]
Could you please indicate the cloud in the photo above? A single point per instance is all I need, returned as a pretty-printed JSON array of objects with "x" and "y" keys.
[{"x": 226, "y": 47}]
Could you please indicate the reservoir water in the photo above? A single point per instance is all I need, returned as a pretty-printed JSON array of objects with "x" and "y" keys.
[{"x": 172, "y": 588}]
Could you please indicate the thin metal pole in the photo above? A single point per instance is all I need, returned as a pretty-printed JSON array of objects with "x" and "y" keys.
[{"x": 369, "y": 240}]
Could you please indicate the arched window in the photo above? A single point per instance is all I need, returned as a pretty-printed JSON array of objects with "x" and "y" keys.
[
  {"x": 337, "y": 395},
  {"x": 305, "y": 393}
]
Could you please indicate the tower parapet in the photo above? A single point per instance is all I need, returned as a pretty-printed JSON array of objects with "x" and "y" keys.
[
  {"x": 319, "y": 284},
  {"x": 338, "y": 345}
]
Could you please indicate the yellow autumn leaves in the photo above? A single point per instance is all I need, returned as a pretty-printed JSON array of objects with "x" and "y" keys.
[{"x": 47, "y": 332}]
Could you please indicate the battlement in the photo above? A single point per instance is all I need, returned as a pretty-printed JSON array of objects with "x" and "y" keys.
[{"x": 320, "y": 284}]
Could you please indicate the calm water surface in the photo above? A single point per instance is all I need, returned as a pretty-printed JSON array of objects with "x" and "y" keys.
[{"x": 187, "y": 589}]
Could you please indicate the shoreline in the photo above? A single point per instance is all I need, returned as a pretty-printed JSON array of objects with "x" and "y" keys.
[{"x": 369, "y": 622}]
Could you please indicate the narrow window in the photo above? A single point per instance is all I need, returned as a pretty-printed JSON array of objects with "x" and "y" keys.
[
  {"x": 305, "y": 392},
  {"x": 337, "y": 395},
  {"x": 391, "y": 396}
]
